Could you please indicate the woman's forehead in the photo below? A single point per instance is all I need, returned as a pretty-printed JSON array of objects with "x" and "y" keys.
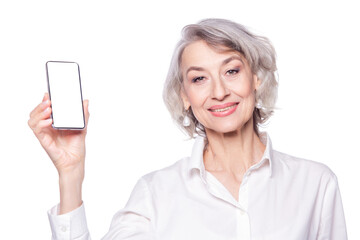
[{"x": 200, "y": 52}]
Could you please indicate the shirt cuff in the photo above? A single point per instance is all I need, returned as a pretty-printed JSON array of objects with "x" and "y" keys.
[{"x": 71, "y": 225}]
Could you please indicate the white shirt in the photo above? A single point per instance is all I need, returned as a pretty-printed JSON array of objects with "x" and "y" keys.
[{"x": 281, "y": 198}]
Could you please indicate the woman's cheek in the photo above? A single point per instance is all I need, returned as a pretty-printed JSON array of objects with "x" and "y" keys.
[
  {"x": 198, "y": 96},
  {"x": 241, "y": 88}
]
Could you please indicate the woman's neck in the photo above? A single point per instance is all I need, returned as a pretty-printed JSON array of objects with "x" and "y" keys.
[{"x": 233, "y": 152}]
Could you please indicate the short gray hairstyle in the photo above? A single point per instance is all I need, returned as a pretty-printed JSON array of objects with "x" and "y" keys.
[{"x": 257, "y": 50}]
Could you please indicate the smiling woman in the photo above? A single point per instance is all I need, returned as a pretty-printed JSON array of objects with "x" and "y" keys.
[
  {"x": 221, "y": 92},
  {"x": 220, "y": 87},
  {"x": 234, "y": 41}
]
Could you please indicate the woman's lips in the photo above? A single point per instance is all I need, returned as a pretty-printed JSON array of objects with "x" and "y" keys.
[{"x": 223, "y": 110}]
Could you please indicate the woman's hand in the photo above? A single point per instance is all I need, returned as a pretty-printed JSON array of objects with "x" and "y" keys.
[{"x": 66, "y": 148}]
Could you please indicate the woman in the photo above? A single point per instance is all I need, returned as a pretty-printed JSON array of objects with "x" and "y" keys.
[{"x": 220, "y": 88}]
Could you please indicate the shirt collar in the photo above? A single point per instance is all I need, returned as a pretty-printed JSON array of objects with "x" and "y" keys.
[
  {"x": 197, "y": 161},
  {"x": 267, "y": 157}
]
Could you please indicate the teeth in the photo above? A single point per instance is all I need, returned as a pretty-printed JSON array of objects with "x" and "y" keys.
[{"x": 223, "y": 109}]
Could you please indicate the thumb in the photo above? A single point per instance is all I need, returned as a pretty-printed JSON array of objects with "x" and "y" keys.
[{"x": 86, "y": 111}]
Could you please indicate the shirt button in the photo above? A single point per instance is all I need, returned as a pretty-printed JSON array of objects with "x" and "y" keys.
[{"x": 63, "y": 228}]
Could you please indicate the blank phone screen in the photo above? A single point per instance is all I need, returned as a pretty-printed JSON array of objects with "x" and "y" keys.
[{"x": 64, "y": 86}]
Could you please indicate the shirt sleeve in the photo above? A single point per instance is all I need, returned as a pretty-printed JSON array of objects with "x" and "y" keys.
[
  {"x": 135, "y": 221},
  {"x": 332, "y": 225},
  {"x": 131, "y": 223},
  {"x": 68, "y": 226}
]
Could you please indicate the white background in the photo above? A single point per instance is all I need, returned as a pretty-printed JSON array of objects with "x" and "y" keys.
[{"x": 124, "y": 50}]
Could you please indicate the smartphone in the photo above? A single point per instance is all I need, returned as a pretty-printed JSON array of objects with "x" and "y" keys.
[{"x": 64, "y": 87}]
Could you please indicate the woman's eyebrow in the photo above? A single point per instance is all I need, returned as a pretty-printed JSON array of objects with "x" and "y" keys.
[
  {"x": 194, "y": 69},
  {"x": 226, "y": 61}
]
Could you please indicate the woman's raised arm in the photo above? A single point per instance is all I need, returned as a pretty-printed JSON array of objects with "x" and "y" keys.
[{"x": 66, "y": 149}]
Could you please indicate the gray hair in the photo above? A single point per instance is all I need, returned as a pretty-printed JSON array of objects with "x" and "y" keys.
[{"x": 258, "y": 51}]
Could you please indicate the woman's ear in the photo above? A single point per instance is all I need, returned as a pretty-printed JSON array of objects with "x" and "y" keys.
[
  {"x": 257, "y": 81},
  {"x": 185, "y": 99}
]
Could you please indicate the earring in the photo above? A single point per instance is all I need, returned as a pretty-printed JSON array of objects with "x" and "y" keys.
[
  {"x": 258, "y": 105},
  {"x": 186, "y": 120}
]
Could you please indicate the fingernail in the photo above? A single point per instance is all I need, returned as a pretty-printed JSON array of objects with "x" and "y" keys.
[{"x": 45, "y": 103}]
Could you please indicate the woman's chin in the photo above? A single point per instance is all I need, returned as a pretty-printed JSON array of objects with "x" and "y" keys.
[{"x": 223, "y": 129}]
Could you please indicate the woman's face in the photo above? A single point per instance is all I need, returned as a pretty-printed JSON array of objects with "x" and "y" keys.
[{"x": 219, "y": 86}]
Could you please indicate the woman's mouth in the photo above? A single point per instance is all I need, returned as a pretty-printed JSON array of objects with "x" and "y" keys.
[{"x": 223, "y": 110}]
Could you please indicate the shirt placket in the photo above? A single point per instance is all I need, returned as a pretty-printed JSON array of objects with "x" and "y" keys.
[
  {"x": 243, "y": 221},
  {"x": 241, "y": 206}
]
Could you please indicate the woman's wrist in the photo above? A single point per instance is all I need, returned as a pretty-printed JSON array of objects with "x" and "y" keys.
[{"x": 70, "y": 183}]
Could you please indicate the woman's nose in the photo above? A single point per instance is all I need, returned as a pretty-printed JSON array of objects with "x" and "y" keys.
[{"x": 219, "y": 89}]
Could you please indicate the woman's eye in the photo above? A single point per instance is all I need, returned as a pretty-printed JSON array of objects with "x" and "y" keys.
[
  {"x": 197, "y": 79},
  {"x": 232, "y": 71}
]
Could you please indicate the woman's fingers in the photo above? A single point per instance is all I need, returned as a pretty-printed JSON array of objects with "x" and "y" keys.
[
  {"x": 45, "y": 100},
  {"x": 41, "y": 112},
  {"x": 41, "y": 125},
  {"x": 38, "y": 126},
  {"x": 42, "y": 106}
]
